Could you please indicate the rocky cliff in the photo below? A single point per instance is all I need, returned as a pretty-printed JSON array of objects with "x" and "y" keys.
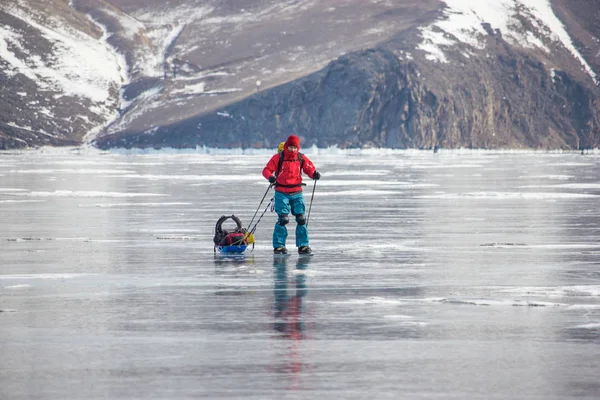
[{"x": 505, "y": 98}]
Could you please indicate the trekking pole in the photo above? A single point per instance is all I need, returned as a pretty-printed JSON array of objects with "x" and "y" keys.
[
  {"x": 263, "y": 199},
  {"x": 263, "y": 213},
  {"x": 311, "y": 201},
  {"x": 249, "y": 235}
]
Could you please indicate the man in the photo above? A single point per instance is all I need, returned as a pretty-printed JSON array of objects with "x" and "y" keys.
[{"x": 284, "y": 171}]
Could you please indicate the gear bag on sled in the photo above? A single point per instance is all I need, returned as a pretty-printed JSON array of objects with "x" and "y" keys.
[{"x": 230, "y": 240}]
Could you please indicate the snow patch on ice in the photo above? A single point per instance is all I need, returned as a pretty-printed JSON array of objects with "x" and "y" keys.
[
  {"x": 71, "y": 193},
  {"x": 354, "y": 173},
  {"x": 375, "y": 300},
  {"x": 591, "y": 325},
  {"x": 551, "y": 177},
  {"x": 69, "y": 171},
  {"x": 507, "y": 196},
  {"x": 9, "y": 201},
  {"x": 500, "y": 302},
  {"x": 580, "y": 185},
  {"x": 174, "y": 236},
  {"x": 370, "y": 183},
  {"x": 446, "y": 166},
  {"x": 365, "y": 192},
  {"x": 44, "y": 276},
  {"x": 154, "y": 204},
  {"x": 559, "y": 291}
]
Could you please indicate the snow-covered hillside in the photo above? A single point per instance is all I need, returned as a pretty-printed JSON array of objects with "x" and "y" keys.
[
  {"x": 58, "y": 63},
  {"x": 525, "y": 23},
  {"x": 117, "y": 67},
  {"x": 79, "y": 65}
]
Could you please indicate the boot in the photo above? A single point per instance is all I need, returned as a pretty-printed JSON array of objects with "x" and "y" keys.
[
  {"x": 280, "y": 250},
  {"x": 304, "y": 250}
]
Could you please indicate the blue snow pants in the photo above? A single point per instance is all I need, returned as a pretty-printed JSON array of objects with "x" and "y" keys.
[{"x": 284, "y": 204}]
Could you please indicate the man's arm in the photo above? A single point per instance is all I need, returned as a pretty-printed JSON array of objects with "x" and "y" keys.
[{"x": 271, "y": 166}]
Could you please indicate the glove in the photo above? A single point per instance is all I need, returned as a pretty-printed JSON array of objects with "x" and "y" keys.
[
  {"x": 316, "y": 176},
  {"x": 272, "y": 179}
]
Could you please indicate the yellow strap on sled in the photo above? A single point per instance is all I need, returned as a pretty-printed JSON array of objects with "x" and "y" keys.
[{"x": 249, "y": 238}]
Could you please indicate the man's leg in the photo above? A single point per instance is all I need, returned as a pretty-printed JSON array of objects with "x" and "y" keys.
[
  {"x": 282, "y": 208},
  {"x": 298, "y": 209}
]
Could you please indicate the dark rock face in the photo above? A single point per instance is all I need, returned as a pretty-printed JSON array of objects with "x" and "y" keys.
[
  {"x": 373, "y": 99},
  {"x": 349, "y": 103},
  {"x": 508, "y": 99}
]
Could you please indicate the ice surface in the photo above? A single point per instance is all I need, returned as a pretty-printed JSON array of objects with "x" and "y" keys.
[{"x": 449, "y": 275}]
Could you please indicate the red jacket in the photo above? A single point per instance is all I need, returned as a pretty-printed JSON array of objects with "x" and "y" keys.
[{"x": 289, "y": 179}]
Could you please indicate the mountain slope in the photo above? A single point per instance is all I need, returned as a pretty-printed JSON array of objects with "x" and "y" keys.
[
  {"x": 59, "y": 78},
  {"x": 497, "y": 75},
  {"x": 395, "y": 73}
]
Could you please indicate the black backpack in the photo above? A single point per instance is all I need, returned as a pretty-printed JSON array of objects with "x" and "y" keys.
[
  {"x": 300, "y": 158},
  {"x": 226, "y": 237}
]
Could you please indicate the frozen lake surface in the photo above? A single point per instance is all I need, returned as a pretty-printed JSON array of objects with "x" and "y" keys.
[{"x": 457, "y": 275}]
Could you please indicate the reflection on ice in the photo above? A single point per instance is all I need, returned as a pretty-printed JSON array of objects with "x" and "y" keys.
[
  {"x": 289, "y": 301},
  {"x": 508, "y": 196}
]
